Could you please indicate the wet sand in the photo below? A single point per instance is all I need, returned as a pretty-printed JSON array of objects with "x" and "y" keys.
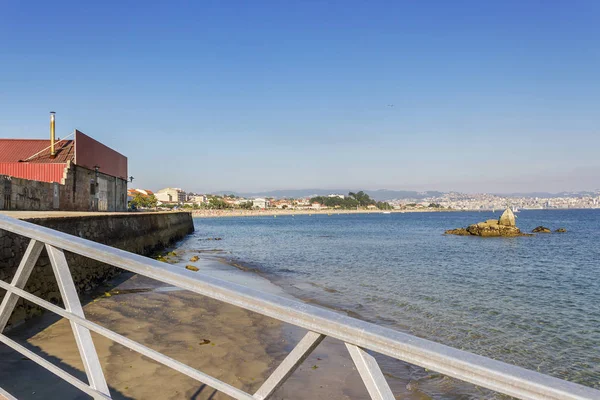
[{"x": 231, "y": 344}]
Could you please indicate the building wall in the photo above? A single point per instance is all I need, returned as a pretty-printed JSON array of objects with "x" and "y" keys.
[
  {"x": 81, "y": 189},
  {"x": 141, "y": 233},
  {"x": 90, "y": 153},
  {"x": 171, "y": 195},
  {"x": 37, "y": 172},
  {"x": 164, "y": 197},
  {"x": 260, "y": 203}
]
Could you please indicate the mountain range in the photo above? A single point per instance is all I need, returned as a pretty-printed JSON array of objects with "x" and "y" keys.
[
  {"x": 379, "y": 195},
  {"x": 385, "y": 194}
]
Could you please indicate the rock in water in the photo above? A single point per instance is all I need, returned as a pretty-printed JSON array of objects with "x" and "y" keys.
[
  {"x": 560, "y": 230},
  {"x": 492, "y": 228},
  {"x": 503, "y": 227},
  {"x": 459, "y": 231},
  {"x": 507, "y": 218},
  {"x": 541, "y": 229}
]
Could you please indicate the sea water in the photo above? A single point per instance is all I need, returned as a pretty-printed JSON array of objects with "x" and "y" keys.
[{"x": 529, "y": 301}]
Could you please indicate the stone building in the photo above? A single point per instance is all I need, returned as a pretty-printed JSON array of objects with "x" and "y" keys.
[{"x": 82, "y": 175}]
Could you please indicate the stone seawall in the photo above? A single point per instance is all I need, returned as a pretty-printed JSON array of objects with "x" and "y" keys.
[
  {"x": 80, "y": 189},
  {"x": 141, "y": 233}
]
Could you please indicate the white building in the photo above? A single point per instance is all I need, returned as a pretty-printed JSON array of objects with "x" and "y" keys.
[
  {"x": 260, "y": 203},
  {"x": 171, "y": 195},
  {"x": 199, "y": 199}
]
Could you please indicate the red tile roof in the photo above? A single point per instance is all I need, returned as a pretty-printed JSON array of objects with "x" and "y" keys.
[
  {"x": 133, "y": 192},
  {"x": 26, "y": 150}
]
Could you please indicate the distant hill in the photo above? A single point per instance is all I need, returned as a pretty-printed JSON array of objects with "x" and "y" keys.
[
  {"x": 379, "y": 195},
  {"x": 386, "y": 195}
]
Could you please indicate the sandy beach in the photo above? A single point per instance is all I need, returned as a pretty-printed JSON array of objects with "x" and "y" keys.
[
  {"x": 284, "y": 212},
  {"x": 231, "y": 344}
]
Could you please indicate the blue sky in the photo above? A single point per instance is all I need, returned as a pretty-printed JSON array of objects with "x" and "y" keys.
[{"x": 225, "y": 95}]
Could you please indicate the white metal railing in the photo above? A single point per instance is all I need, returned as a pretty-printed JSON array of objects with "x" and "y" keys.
[{"x": 358, "y": 336}]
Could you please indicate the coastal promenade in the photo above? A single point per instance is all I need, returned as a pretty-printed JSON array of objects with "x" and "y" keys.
[{"x": 26, "y": 215}]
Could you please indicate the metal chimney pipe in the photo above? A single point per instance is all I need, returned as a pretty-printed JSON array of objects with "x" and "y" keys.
[{"x": 52, "y": 126}]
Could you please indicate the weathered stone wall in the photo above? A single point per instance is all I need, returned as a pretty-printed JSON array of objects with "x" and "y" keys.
[
  {"x": 81, "y": 189},
  {"x": 141, "y": 233}
]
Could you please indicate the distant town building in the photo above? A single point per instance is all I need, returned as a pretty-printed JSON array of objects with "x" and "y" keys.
[
  {"x": 281, "y": 204},
  {"x": 78, "y": 174},
  {"x": 260, "y": 203},
  {"x": 198, "y": 199},
  {"x": 171, "y": 195}
]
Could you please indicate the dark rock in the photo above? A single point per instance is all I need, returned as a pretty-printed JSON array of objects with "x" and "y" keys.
[
  {"x": 459, "y": 231},
  {"x": 560, "y": 230},
  {"x": 192, "y": 268},
  {"x": 541, "y": 229},
  {"x": 489, "y": 228}
]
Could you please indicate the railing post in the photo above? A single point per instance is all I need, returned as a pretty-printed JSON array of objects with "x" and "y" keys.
[
  {"x": 83, "y": 338},
  {"x": 19, "y": 280},
  {"x": 370, "y": 373}
]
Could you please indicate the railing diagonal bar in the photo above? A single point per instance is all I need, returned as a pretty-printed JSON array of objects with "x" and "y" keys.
[
  {"x": 83, "y": 338},
  {"x": 305, "y": 346},
  {"x": 4, "y": 395},
  {"x": 84, "y": 387},
  {"x": 32, "y": 253},
  {"x": 370, "y": 373},
  {"x": 133, "y": 345}
]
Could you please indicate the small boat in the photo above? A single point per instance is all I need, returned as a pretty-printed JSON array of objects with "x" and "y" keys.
[
  {"x": 386, "y": 212},
  {"x": 515, "y": 210}
]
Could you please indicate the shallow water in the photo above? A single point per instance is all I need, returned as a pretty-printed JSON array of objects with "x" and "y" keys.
[{"x": 530, "y": 301}]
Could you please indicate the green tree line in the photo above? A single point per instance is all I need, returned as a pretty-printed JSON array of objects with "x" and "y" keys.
[
  {"x": 142, "y": 201},
  {"x": 352, "y": 201}
]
